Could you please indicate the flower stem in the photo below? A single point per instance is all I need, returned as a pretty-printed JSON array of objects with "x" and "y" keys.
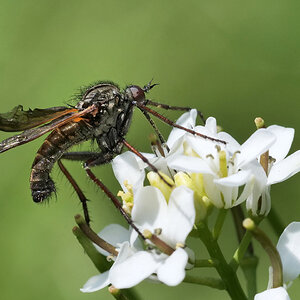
[
  {"x": 124, "y": 294},
  {"x": 219, "y": 223},
  {"x": 207, "y": 281},
  {"x": 131, "y": 294},
  {"x": 116, "y": 293},
  {"x": 94, "y": 236},
  {"x": 271, "y": 250},
  {"x": 232, "y": 285},
  {"x": 240, "y": 251},
  {"x": 205, "y": 263},
  {"x": 98, "y": 260},
  {"x": 248, "y": 265}
]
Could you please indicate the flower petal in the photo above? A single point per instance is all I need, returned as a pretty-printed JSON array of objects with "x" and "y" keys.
[
  {"x": 126, "y": 167},
  {"x": 181, "y": 216},
  {"x": 288, "y": 247},
  {"x": 114, "y": 234},
  {"x": 211, "y": 125},
  {"x": 213, "y": 194},
  {"x": 234, "y": 180},
  {"x": 189, "y": 164},
  {"x": 96, "y": 283},
  {"x": 273, "y": 294},
  {"x": 150, "y": 208},
  {"x": 284, "y": 139},
  {"x": 172, "y": 270},
  {"x": 232, "y": 145},
  {"x": 134, "y": 269},
  {"x": 258, "y": 143},
  {"x": 285, "y": 168},
  {"x": 203, "y": 147},
  {"x": 186, "y": 120}
]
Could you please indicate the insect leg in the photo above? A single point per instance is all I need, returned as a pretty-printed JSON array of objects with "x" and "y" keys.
[
  {"x": 161, "y": 138},
  {"x": 169, "y": 107},
  {"x": 78, "y": 191},
  {"x": 145, "y": 160},
  {"x": 94, "y": 159},
  {"x": 114, "y": 199},
  {"x": 173, "y": 124},
  {"x": 80, "y": 156}
]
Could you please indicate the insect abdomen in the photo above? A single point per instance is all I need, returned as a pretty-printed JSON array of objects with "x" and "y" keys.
[{"x": 59, "y": 140}]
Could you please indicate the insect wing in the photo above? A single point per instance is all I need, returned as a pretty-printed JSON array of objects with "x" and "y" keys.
[
  {"x": 18, "y": 119},
  {"x": 33, "y": 133}
]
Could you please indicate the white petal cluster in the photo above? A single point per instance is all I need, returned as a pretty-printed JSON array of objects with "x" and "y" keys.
[
  {"x": 226, "y": 174},
  {"x": 202, "y": 172},
  {"x": 151, "y": 211}
]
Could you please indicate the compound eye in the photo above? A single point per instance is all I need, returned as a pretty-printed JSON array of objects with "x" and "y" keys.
[{"x": 137, "y": 93}]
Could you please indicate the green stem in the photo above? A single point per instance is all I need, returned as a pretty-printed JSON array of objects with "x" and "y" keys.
[
  {"x": 117, "y": 294},
  {"x": 98, "y": 259},
  {"x": 130, "y": 294},
  {"x": 271, "y": 250},
  {"x": 94, "y": 237},
  {"x": 219, "y": 223},
  {"x": 240, "y": 251},
  {"x": 205, "y": 263},
  {"x": 232, "y": 285},
  {"x": 249, "y": 265},
  {"x": 276, "y": 222},
  {"x": 207, "y": 281}
]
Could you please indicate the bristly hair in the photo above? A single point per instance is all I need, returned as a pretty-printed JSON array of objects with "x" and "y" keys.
[{"x": 77, "y": 96}]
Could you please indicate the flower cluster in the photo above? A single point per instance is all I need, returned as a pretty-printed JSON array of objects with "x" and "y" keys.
[
  {"x": 195, "y": 175},
  {"x": 221, "y": 174}
]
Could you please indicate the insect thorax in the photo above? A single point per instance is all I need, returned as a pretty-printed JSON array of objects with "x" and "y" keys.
[{"x": 112, "y": 121}]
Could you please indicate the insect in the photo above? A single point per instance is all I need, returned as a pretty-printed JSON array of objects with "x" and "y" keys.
[{"x": 103, "y": 113}]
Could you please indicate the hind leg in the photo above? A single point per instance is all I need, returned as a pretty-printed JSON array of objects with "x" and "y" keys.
[{"x": 82, "y": 156}]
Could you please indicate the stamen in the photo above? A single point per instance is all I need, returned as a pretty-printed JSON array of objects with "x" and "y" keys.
[
  {"x": 218, "y": 148},
  {"x": 109, "y": 258},
  {"x": 158, "y": 231},
  {"x": 223, "y": 164},
  {"x": 180, "y": 245},
  {"x": 156, "y": 145}
]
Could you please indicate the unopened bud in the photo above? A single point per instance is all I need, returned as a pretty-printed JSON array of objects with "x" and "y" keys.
[
  {"x": 259, "y": 122},
  {"x": 249, "y": 224}
]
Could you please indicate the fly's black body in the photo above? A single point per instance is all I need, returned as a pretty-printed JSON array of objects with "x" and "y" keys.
[{"x": 108, "y": 125}]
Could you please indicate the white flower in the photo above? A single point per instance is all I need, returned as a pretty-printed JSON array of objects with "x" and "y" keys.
[
  {"x": 151, "y": 211},
  {"x": 288, "y": 247},
  {"x": 273, "y": 294},
  {"x": 283, "y": 167},
  {"x": 225, "y": 168},
  {"x": 175, "y": 219},
  {"x": 280, "y": 168},
  {"x": 116, "y": 235}
]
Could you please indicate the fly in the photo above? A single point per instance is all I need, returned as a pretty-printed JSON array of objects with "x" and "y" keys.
[{"x": 103, "y": 114}]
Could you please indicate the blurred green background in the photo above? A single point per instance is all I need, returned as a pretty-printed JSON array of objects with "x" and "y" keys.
[{"x": 235, "y": 60}]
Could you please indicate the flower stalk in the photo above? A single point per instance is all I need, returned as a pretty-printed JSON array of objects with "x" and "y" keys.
[
  {"x": 98, "y": 260},
  {"x": 271, "y": 250},
  {"x": 231, "y": 282},
  {"x": 206, "y": 281},
  {"x": 94, "y": 237}
]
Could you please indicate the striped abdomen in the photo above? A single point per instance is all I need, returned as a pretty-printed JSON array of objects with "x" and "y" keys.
[{"x": 59, "y": 140}]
